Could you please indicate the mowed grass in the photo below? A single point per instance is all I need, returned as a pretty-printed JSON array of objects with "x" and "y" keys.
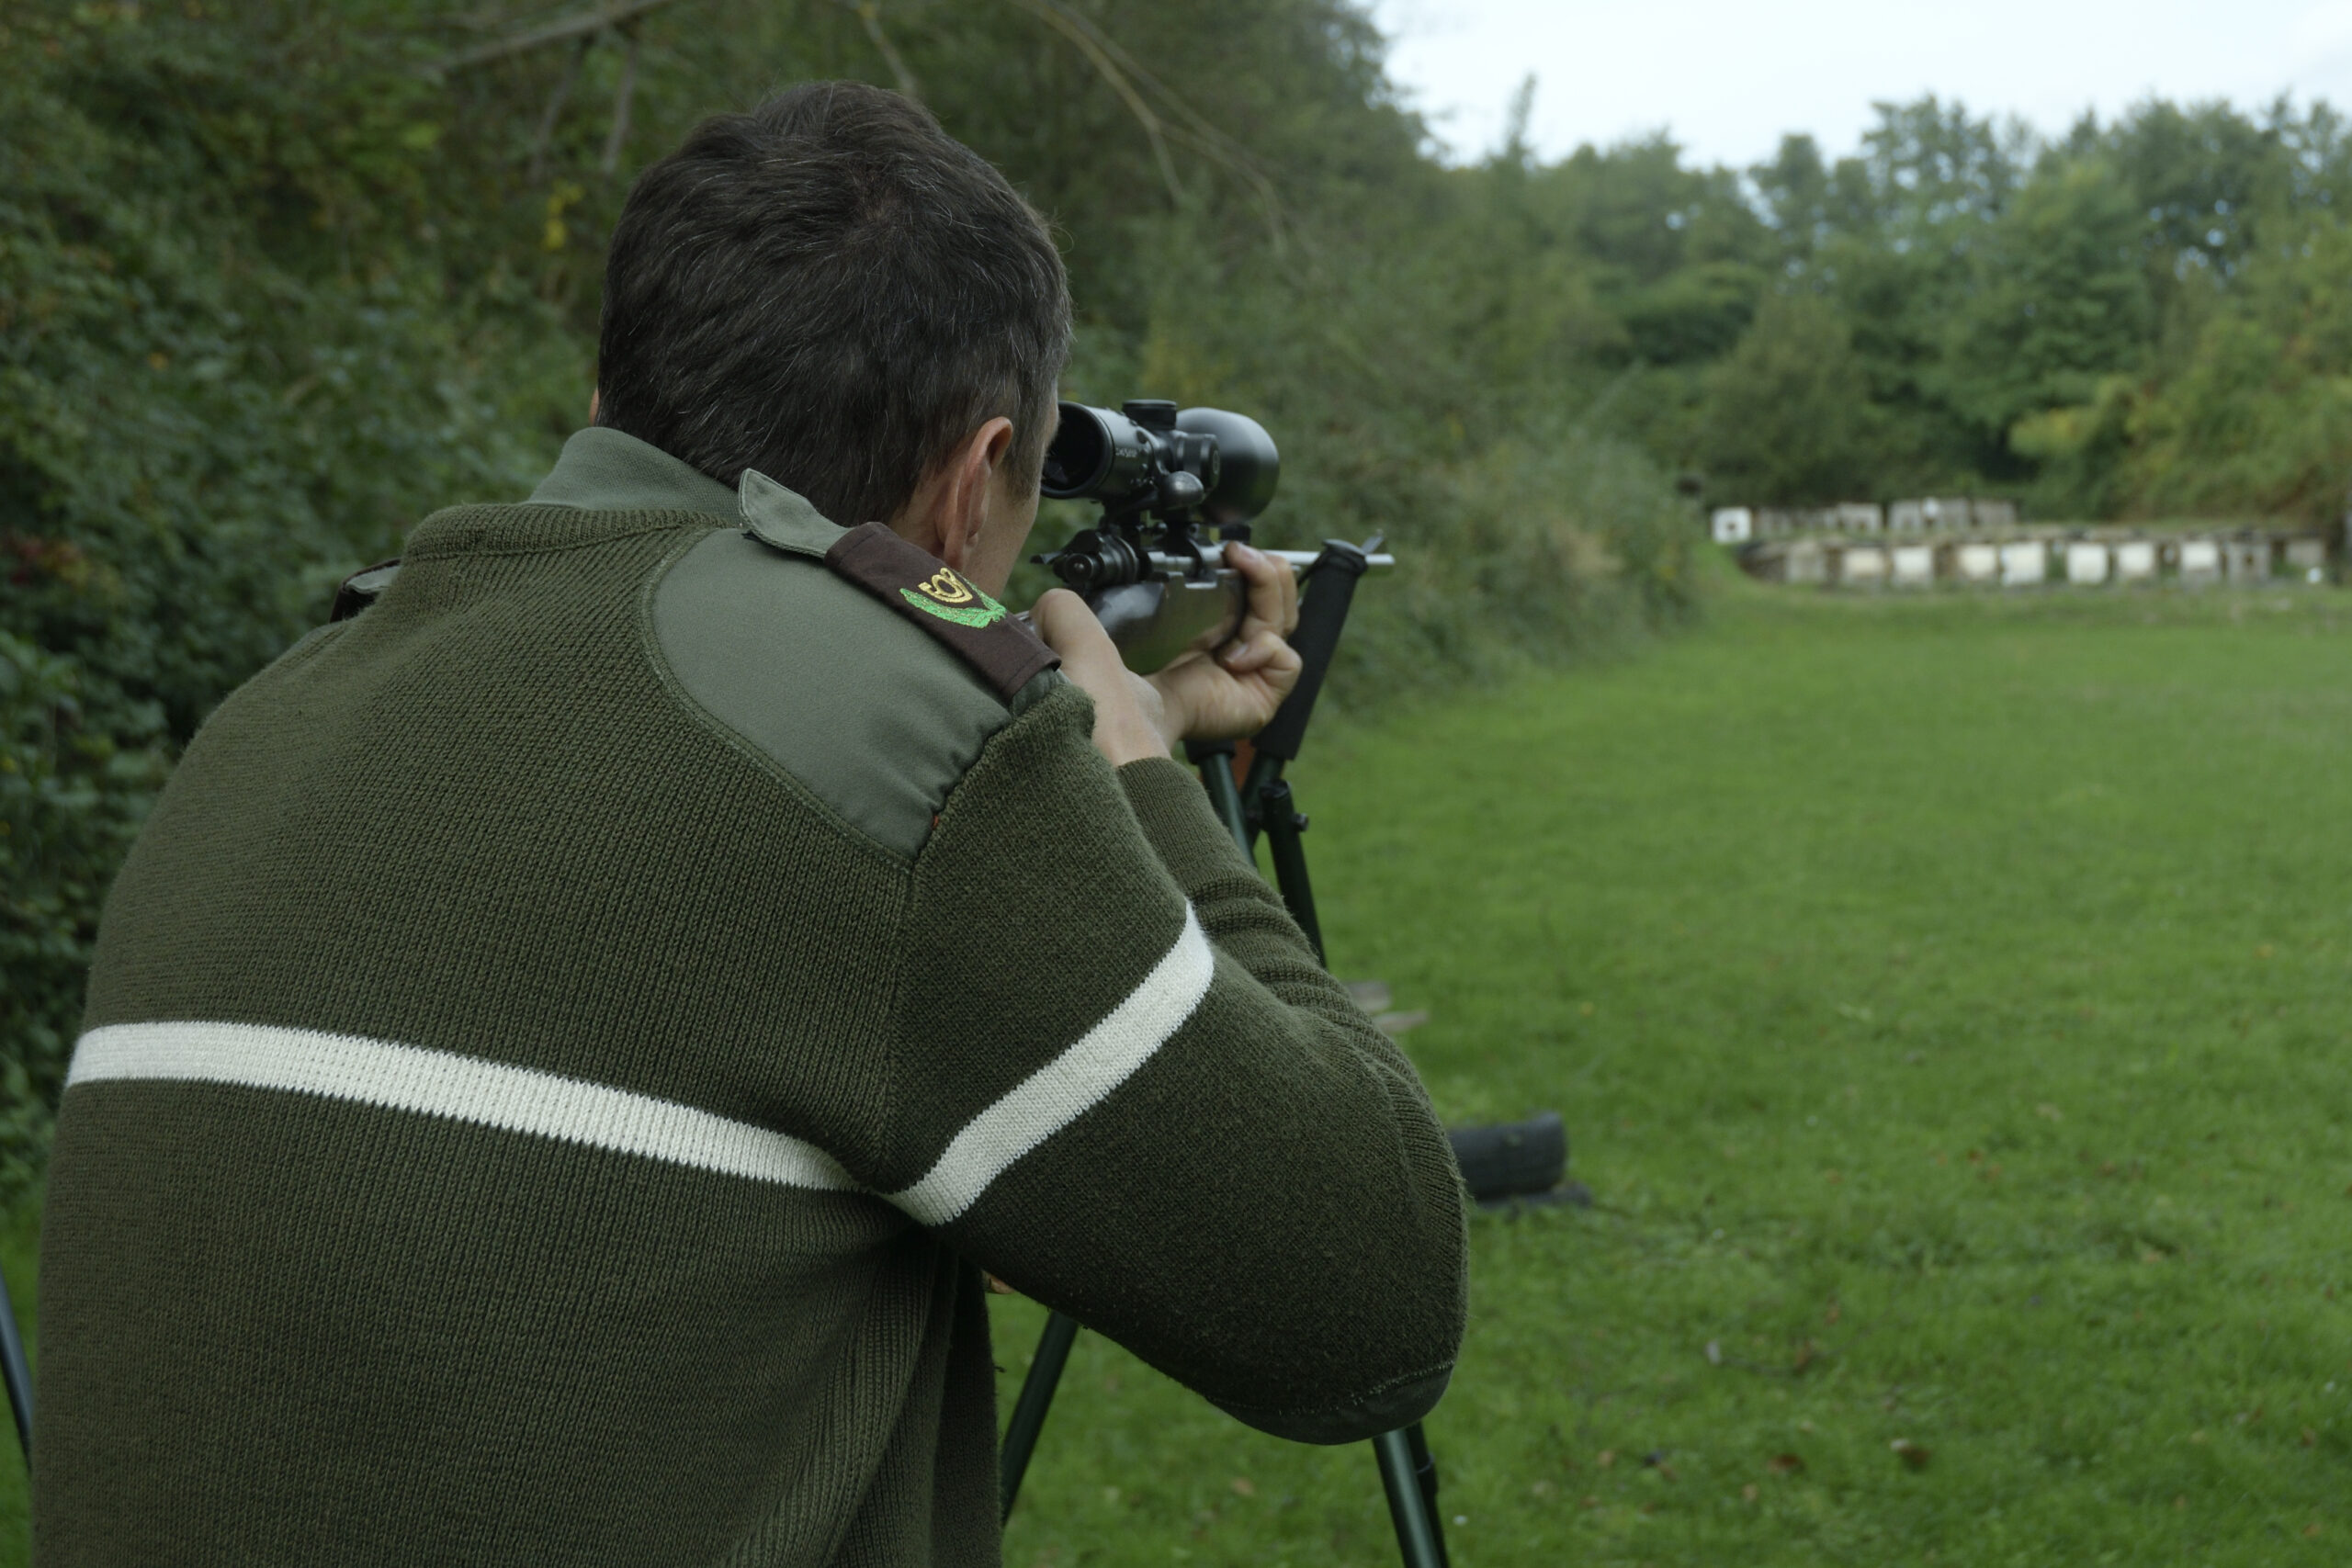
[
  {"x": 1947, "y": 1002},
  {"x": 1946, "y": 999}
]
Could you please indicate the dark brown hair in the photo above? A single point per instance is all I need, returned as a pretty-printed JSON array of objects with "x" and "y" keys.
[{"x": 835, "y": 292}]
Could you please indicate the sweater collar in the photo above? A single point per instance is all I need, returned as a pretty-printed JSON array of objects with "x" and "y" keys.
[
  {"x": 603, "y": 486},
  {"x": 604, "y": 469}
]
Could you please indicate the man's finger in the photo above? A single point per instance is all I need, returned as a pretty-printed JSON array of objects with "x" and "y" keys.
[
  {"x": 1068, "y": 627},
  {"x": 1273, "y": 590},
  {"x": 1264, "y": 649}
]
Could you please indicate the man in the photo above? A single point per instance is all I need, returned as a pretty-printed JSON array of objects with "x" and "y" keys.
[{"x": 570, "y": 1039}]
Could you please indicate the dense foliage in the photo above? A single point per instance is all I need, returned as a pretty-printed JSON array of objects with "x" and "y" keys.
[
  {"x": 2136, "y": 319},
  {"x": 278, "y": 279}
]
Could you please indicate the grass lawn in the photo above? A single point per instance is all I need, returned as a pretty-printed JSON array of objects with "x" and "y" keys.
[
  {"x": 1946, "y": 998},
  {"x": 1943, "y": 995}
]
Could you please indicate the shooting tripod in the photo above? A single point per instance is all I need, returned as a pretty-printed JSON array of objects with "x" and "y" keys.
[{"x": 1262, "y": 802}]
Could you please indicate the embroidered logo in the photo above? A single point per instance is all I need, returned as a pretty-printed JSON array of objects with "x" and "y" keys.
[{"x": 951, "y": 598}]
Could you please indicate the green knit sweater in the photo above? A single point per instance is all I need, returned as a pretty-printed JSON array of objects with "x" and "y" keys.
[{"x": 568, "y": 1039}]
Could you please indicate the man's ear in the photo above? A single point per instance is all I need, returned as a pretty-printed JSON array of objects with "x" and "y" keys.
[{"x": 961, "y": 495}]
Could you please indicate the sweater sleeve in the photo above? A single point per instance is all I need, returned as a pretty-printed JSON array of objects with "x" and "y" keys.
[{"x": 1124, "y": 1085}]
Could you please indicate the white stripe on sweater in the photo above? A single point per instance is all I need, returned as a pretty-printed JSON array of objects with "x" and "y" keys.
[
  {"x": 464, "y": 1088},
  {"x": 522, "y": 1099},
  {"x": 1070, "y": 1085}
]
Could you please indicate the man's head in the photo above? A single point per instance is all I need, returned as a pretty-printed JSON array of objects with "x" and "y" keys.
[{"x": 835, "y": 292}]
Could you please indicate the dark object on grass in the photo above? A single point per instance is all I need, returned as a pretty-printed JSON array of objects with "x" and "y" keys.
[{"x": 1516, "y": 1163}]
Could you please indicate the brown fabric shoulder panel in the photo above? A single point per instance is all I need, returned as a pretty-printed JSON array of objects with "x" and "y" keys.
[{"x": 918, "y": 585}]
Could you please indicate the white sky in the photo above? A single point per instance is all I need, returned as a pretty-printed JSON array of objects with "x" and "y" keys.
[{"x": 1727, "y": 77}]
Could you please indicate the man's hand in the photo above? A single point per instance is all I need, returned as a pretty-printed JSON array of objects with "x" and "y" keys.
[
  {"x": 1219, "y": 695},
  {"x": 1232, "y": 692}
]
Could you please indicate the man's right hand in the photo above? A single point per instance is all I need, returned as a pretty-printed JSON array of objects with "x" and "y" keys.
[{"x": 1131, "y": 719}]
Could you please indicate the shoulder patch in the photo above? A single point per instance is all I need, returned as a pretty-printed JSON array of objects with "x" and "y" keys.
[{"x": 975, "y": 627}]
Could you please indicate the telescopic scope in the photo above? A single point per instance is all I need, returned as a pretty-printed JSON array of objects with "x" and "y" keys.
[{"x": 1149, "y": 457}]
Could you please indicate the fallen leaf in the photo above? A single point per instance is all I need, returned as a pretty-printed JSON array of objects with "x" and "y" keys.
[
  {"x": 1785, "y": 1465},
  {"x": 1807, "y": 1353},
  {"x": 1747, "y": 1492},
  {"x": 1910, "y": 1453},
  {"x": 1831, "y": 1317},
  {"x": 1589, "y": 1503},
  {"x": 1605, "y": 1457},
  {"x": 2049, "y": 1112},
  {"x": 1244, "y": 1487},
  {"x": 2311, "y": 1530},
  {"x": 2310, "y": 1439},
  {"x": 1832, "y": 1177}
]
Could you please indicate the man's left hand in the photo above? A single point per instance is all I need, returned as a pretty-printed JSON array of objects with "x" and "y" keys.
[{"x": 1232, "y": 691}]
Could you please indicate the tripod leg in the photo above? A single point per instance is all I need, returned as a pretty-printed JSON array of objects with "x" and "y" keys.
[
  {"x": 1037, "y": 1397},
  {"x": 1409, "y": 1509},
  {"x": 19, "y": 1375},
  {"x": 1283, "y": 824},
  {"x": 1424, "y": 1472}
]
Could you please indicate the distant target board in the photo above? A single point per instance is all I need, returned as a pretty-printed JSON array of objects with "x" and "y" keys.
[
  {"x": 1979, "y": 563},
  {"x": 2135, "y": 561},
  {"x": 2200, "y": 562},
  {"x": 2025, "y": 563},
  {"x": 1863, "y": 567},
  {"x": 2086, "y": 564},
  {"x": 1914, "y": 566}
]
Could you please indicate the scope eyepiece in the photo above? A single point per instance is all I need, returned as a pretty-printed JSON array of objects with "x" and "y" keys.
[{"x": 1150, "y": 457}]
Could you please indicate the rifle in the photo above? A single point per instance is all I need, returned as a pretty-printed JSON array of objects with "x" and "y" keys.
[{"x": 1165, "y": 476}]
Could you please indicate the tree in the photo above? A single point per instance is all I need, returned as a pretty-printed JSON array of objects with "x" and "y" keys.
[
  {"x": 2060, "y": 299},
  {"x": 1787, "y": 416}
]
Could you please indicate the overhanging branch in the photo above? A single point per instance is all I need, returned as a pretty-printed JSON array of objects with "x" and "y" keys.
[{"x": 578, "y": 25}]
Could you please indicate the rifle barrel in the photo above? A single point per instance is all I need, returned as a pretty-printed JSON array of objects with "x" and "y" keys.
[
  {"x": 1301, "y": 559},
  {"x": 1297, "y": 560}
]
